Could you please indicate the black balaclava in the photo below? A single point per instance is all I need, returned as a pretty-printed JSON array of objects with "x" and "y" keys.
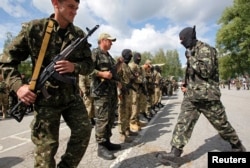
[
  {"x": 158, "y": 69},
  {"x": 137, "y": 58},
  {"x": 188, "y": 37},
  {"x": 127, "y": 55}
]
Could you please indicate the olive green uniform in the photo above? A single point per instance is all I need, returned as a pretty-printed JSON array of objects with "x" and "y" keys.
[{"x": 64, "y": 101}]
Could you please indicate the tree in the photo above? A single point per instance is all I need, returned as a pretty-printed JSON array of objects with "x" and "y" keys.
[
  {"x": 173, "y": 64},
  {"x": 9, "y": 37},
  {"x": 25, "y": 67},
  {"x": 233, "y": 38}
]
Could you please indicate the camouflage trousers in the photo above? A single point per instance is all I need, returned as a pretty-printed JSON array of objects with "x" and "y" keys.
[
  {"x": 105, "y": 108},
  {"x": 157, "y": 96},
  {"x": 89, "y": 103},
  {"x": 135, "y": 106},
  {"x": 45, "y": 134},
  {"x": 124, "y": 113},
  {"x": 214, "y": 111},
  {"x": 143, "y": 102}
]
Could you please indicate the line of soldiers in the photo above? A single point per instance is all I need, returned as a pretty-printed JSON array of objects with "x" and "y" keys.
[{"x": 139, "y": 97}]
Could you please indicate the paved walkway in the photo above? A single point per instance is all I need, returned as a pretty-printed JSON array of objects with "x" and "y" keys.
[{"x": 156, "y": 136}]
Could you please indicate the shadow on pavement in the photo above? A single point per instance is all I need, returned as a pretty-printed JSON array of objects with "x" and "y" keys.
[
  {"x": 8, "y": 162},
  {"x": 139, "y": 161},
  {"x": 214, "y": 143}
]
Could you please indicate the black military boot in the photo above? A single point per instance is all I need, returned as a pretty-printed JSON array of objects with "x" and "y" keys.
[
  {"x": 103, "y": 152},
  {"x": 175, "y": 152},
  {"x": 111, "y": 146},
  {"x": 142, "y": 118},
  {"x": 153, "y": 111},
  {"x": 171, "y": 158},
  {"x": 238, "y": 147},
  {"x": 160, "y": 105}
]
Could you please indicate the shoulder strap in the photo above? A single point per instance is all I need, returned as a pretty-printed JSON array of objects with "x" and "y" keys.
[{"x": 41, "y": 55}]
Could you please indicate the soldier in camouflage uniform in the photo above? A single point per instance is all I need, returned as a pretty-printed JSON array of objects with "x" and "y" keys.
[
  {"x": 104, "y": 90},
  {"x": 157, "y": 90},
  {"x": 4, "y": 92},
  {"x": 65, "y": 100},
  {"x": 125, "y": 98},
  {"x": 146, "y": 99},
  {"x": 201, "y": 95},
  {"x": 84, "y": 84},
  {"x": 137, "y": 119},
  {"x": 136, "y": 70}
]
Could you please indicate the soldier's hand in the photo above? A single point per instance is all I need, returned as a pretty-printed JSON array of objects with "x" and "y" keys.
[
  {"x": 105, "y": 74},
  {"x": 25, "y": 95},
  {"x": 64, "y": 66},
  {"x": 183, "y": 89}
]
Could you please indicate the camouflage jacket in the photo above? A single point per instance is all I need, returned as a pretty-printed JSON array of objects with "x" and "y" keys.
[
  {"x": 158, "y": 78},
  {"x": 103, "y": 61},
  {"x": 137, "y": 71},
  {"x": 202, "y": 74},
  {"x": 28, "y": 43}
]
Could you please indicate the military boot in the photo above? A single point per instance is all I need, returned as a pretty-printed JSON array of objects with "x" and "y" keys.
[
  {"x": 149, "y": 115},
  {"x": 142, "y": 118},
  {"x": 170, "y": 158},
  {"x": 103, "y": 152},
  {"x": 160, "y": 105},
  {"x": 4, "y": 115},
  {"x": 175, "y": 152},
  {"x": 134, "y": 126},
  {"x": 111, "y": 146},
  {"x": 238, "y": 147},
  {"x": 153, "y": 110},
  {"x": 130, "y": 133},
  {"x": 125, "y": 139}
]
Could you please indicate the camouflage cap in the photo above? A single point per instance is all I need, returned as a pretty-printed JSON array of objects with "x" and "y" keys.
[
  {"x": 148, "y": 62},
  {"x": 106, "y": 36}
]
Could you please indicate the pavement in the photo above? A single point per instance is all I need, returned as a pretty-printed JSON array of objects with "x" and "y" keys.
[{"x": 156, "y": 137}]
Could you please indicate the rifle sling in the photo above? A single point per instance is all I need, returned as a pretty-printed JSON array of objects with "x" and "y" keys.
[{"x": 41, "y": 55}]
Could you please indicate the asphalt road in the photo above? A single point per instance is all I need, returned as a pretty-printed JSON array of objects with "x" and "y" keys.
[{"x": 16, "y": 148}]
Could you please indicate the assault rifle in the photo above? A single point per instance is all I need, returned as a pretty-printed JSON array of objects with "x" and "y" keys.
[
  {"x": 99, "y": 89},
  {"x": 18, "y": 111}
]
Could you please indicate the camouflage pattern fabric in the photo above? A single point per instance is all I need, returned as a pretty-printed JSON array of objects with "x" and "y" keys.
[
  {"x": 146, "y": 100},
  {"x": 157, "y": 91},
  {"x": 213, "y": 110},
  {"x": 64, "y": 100},
  {"x": 125, "y": 103},
  {"x": 105, "y": 108},
  {"x": 202, "y": 96},
  {"x": 203, "y": 75},
  {"x": 136, "y": 70},
  {"x": 84, "y": 84},
  {"x": 150, "y": 87},
  {"x": 45, "y": 133},
  {"x": 105, "y": 104},
  {"x": 4, "y": 101}
]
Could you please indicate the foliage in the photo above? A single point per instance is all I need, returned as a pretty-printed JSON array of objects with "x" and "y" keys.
[
  {"x": 9, "y": 38},
  {"x": 233, "y": 39},
  {"x": 25, "y": 66},
  {"x": 170, "y": 59}
]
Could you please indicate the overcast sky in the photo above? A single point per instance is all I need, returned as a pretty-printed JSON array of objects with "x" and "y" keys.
[{"x": 141, "y": 25}]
